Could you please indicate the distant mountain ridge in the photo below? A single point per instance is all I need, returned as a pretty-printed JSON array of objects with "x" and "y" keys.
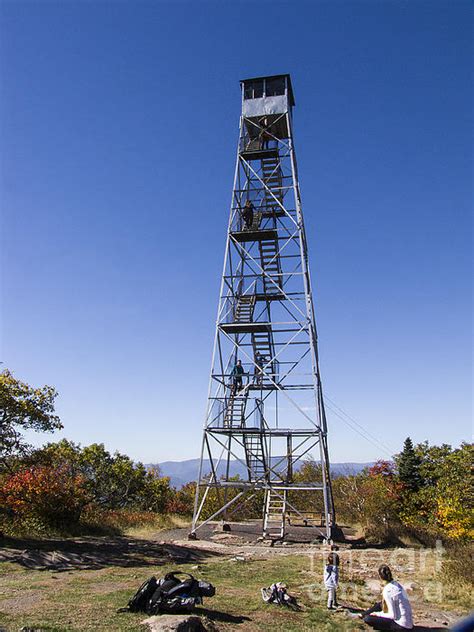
[{"x": 182, "y": 472}]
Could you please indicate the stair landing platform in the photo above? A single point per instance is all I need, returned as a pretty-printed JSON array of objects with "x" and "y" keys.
[{"x": 244, "y": 328}]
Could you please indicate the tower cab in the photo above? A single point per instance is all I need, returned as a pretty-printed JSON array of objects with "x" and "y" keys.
[{"x": 266, "y": 104}]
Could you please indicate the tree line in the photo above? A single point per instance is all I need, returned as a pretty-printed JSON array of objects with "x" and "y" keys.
[{"x": 425, "y": 493}]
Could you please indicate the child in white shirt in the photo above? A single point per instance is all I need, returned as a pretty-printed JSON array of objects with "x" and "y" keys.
[{"x": 331, "y": 579}]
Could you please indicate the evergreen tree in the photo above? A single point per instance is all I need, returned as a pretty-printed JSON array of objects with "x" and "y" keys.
[{"x": 408, "y": 463}]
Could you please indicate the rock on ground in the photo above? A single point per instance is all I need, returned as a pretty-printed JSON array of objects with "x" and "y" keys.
[{"x": 179, "y": 623}]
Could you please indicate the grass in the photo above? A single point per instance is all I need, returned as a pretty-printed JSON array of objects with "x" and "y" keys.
[
  {"x": 95, "y": 521},
  {"x": 450, "y": 582},
  {"x": 81, "y": 600},
  {"x": 239, "y": 594},
  {"x": 88, "y": 600},
  {"x": 160, "y": 523}
]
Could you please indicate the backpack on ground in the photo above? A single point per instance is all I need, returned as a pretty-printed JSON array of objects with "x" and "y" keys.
[
  {"x": 140, "y": 599},
  {"x": 276, "y": 593},
  {"x": 170, "y": 594}
]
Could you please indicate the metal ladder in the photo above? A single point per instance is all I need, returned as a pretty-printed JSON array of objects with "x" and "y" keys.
[
  {"x": 255, "y": 455},
  {"x": 262, "y": 344},
  {"x": 270, "y": 262},
  {"x": 234, "y": 415},
  {"x": 244, "y": 308},
  {"x": 275, "y": 514},
  {"x": 272, "y": 177}
]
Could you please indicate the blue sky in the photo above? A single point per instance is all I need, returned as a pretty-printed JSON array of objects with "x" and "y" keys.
[{"x": 119, "y": 123}]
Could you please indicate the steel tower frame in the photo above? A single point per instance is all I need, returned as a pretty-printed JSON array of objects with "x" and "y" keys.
[{"x": 276, "y": 416}]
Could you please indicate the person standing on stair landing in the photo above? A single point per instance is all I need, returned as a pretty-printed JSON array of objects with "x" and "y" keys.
[
  {"x": 237, "y": 375},
  {"x": 247, "y": 214},
  {"x": 264, "y": 136},
  {"x": 258, "y": 371}
]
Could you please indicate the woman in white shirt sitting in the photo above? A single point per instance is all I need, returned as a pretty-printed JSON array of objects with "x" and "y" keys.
[{"x": 394, "y": 612}]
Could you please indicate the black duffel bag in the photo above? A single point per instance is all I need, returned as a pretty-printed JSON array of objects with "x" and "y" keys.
[{"x": 176, "y": 592}]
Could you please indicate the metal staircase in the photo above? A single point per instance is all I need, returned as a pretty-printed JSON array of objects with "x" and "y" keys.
[
  {"x": 270, "y": 261},
  {"x": 244, "y": 308},
  {"x": 255, "y": 455},
  {"x": 273, "y": 180},
  {"x": 234, "y": 415},
  {"x": 262, "y": 345},
  {"x": 275, "y": 514}
]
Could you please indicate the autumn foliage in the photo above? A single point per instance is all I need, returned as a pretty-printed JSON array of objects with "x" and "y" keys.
[
  {"x": 53, "y": 495},
  {"x": 425, "y": 494}
]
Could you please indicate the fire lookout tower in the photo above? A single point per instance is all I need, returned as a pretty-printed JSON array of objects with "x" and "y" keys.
[{"x": 265, "y": 409}]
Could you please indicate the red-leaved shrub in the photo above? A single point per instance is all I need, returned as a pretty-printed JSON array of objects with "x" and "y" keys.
[{"x": 53, "y": 495}]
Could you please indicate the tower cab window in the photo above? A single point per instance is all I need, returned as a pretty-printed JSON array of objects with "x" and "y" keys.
[
  {"x": 264, "y": 87},
  {"x": 253, "y": 89},
  {"x": 275, "y": 87}
]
